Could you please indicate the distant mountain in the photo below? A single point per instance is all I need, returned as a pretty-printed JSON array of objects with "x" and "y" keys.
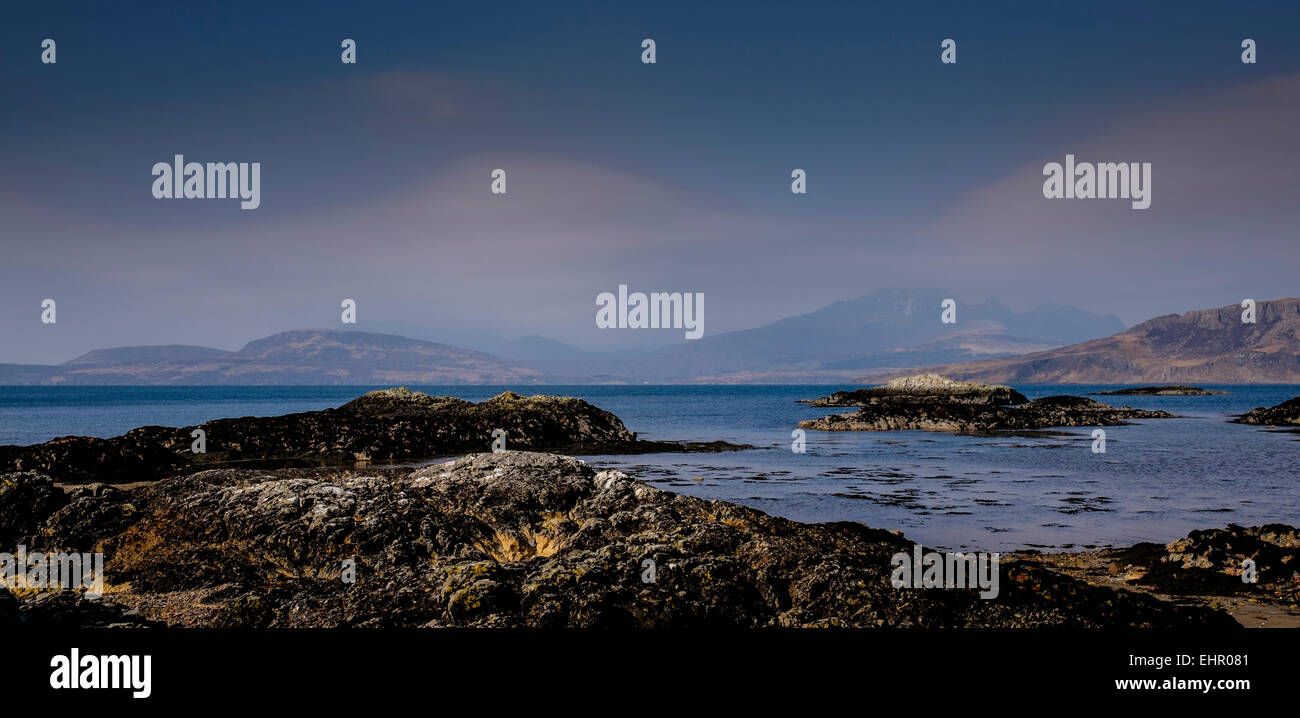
[
  {"x": 541, "y": 349},
  {"x": 887, "y": 328},
  {"x": 566, "y": 364},
  {"x": 1208, "y": 346},
  {"x": 305, "y": 356},
  {"x": 22, "y": 374},
  {"x": 161, "y": 354}
]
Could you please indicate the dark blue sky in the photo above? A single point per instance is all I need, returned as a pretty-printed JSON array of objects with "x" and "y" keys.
[{"x": 671, "y": 176}]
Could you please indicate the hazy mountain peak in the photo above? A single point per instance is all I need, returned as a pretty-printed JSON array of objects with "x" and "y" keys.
[{"x": 887, "y": 327}]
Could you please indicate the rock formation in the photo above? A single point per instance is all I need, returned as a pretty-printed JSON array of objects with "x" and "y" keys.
[
  {"x": 1285, "y": 414},
  {"x": 393, "y": 425},
  {"x": 1202, "y": 567},
  {"x": 923, "y": 385},
  {"x": 508, "y": 539},
  {"x": 1167, "y": 390},
  {"x": 932, "y": 403}
]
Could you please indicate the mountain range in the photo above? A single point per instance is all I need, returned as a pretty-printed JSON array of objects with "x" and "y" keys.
[
  {"x": 1213, "y": 346},
  {"x": 888, "y": 328},
  {"x": 304, "y": 356},
  {"x": 887, "y": 333}
]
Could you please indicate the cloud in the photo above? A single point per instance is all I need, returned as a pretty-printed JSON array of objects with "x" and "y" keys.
[
  {"x": 1222, "y": 217},
  {"x": 1215, "y": 159},
  {"x": 434, "y": 253},
  {"x": 420, "y": 96}
]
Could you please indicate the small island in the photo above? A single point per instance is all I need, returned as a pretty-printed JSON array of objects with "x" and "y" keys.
[
  {"x": 929, "y": 402},
  {"x": 1166, "y": 390},
  {"x": 924, "y": 385}
]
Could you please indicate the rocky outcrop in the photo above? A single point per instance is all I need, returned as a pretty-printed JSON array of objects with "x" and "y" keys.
[
  {"x": 925, "y": 385},
  {"x": 1204, "y": 566},
  {"x": 393, "y": 425},
  {"x": 140, "y": 455},
  {"x": 1204, "y": 556},
  {"x": 1167, "y": 390},
  {"x": 938, "y": 414},
  {"x": 1285, "y": 414},
  {"x": 26, "y": 498},
  {"x": 520, "y": 539}
]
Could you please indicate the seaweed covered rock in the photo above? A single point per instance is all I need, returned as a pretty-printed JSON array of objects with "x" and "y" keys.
[
  {"x": 26, "y": 499},
  {"x": 1213, "y": 562},
  {"x": 1285, "y": 414},
  {"x": 392, "y": 425},
  {"x": 137, "y": 456},
  {"x": 527, "y": 539},
  {"x": 1164, "y": 390},
  {"x": 938, "y": 414}
]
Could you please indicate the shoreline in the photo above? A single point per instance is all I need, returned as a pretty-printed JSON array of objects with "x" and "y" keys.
[
  {"x": 886, "y": 491},
  {"x": 392, "y": 444},
  {"x": 1094, "y": 567},
  {"x": 506, "y": 539}
]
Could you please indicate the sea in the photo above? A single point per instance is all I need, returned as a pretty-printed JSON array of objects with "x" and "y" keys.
[{"x": 1157, "y": 479}]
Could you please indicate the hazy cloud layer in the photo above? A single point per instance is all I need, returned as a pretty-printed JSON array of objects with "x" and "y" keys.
[{"x": 674, "y": 177}]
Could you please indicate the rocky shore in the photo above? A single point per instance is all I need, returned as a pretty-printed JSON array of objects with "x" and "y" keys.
[
  {"x": 933, "y": 403},
  {"x": 1205, "y": 569},
  {"x": 1285, "y": 414},
  {"x": 1167, "y": 390},
  {"x": 389, "y": 426},
  {"x": 506, "y": 539}
]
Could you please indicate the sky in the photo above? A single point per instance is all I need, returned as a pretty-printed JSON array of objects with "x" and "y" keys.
[{"x": 672, "y": 176}]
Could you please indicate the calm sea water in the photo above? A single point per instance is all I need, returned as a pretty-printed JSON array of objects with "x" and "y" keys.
[{"x": 1157, "y": 480}]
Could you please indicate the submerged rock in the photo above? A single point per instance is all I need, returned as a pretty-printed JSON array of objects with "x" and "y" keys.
[
  {"x": 924, "y": 386},
  {"x": 1166, "y": 390},
  {"x": 1285, "y": 414},
  {"x": 938, "y": 414},
  {"x": 392, "y": 425},
  {"x": 523, "y": 539}
]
